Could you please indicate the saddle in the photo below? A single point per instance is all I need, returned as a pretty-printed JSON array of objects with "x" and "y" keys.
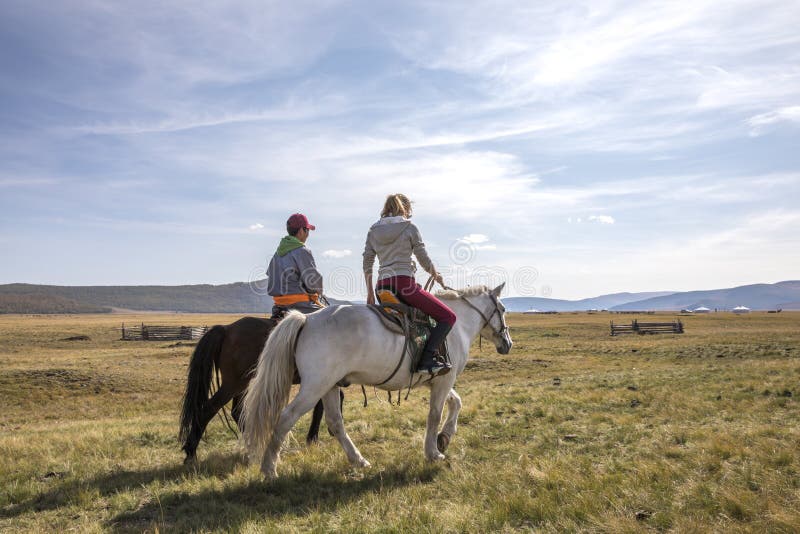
[{"x": 407, "y": 321}]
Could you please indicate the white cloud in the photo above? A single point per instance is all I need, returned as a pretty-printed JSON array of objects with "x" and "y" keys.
[
  {"x": 477, "y": 242},
  {"x": 337, "y": 253},
  {"x": 450, "y": 185},
  {"x": 475, "y": 238},
  {"x": 291, "y": 111},
  {"x": 759, "y": 122},
  {"x": 748, "y": 89},
  {"x": 165, "y": 227},
  {"x": 242, "y": 41},
  {"x": 645, "y": 72},
  {"x": 256, "y": 226},
  {"x": 603, "y": 219}
]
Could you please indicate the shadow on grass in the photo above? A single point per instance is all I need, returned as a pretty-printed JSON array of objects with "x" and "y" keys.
[
  {"x": 70, "y": 491},
  {"x": 290, "y": 496}
]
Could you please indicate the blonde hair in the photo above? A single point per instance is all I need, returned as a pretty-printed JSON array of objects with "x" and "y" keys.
[{"x": 396, "y": 204}]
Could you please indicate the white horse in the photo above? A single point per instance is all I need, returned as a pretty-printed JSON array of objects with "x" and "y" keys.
[{"x": 350, "y": 344}]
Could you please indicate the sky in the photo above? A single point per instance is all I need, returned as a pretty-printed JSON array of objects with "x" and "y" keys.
[{"x": 570, "y": 149}]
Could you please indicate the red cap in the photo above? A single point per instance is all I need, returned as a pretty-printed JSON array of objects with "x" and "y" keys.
[{"x": 298, "y": 220}]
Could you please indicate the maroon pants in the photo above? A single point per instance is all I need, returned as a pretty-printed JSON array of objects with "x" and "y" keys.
[{"x": 411, "y": 293}]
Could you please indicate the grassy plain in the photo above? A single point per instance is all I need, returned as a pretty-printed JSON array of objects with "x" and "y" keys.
[{"x": 572, "y": 431}]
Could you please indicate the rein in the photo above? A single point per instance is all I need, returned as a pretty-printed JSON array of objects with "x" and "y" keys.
[{"x": 487, "y": 320}]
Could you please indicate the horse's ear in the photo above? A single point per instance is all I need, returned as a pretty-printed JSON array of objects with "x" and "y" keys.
[{"x": 496, "y": 291}]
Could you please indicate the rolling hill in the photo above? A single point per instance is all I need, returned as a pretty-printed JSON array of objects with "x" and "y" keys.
[
  {"x": 238, "y": 297},
  {"x": 43, "y": 303}
]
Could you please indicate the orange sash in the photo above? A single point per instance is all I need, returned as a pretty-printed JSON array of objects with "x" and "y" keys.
[{"x": 288, "y": 300}]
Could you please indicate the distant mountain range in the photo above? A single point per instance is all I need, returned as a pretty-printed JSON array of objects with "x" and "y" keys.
[
  {"x": 603, "y": 302},
  {"x": 785, "y": 295},
  {"x": 241, "y": 297}
]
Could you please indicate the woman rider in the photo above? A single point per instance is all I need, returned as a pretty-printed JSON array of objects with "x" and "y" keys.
[{"x": 393, "y": 239}]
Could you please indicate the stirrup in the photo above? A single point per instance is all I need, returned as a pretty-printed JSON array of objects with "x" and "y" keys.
[{"x": 437, "y": 367}]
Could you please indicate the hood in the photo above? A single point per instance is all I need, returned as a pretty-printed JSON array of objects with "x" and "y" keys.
[
  {"x": 388, "y": 229},
  {"x": 288, "y": 244}
]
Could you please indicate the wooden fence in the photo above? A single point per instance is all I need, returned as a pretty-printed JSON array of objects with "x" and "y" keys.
[
  {"x": 636, "y": 327},
  {"x": 145, "y": 332}
]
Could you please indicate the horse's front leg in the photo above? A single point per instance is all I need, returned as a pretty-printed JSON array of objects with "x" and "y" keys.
[
  {"x": 439, "y": 392},
  {"x": 333, "y": 417},
  {"x": 451, "y": 423}
]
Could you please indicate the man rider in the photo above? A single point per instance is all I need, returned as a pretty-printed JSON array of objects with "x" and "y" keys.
[{"x": 293, "y": 279}]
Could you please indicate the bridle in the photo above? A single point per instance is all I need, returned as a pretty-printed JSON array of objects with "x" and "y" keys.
[{"x": 488, "y": 320}]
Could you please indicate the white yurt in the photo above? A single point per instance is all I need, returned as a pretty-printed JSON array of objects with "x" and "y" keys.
[
  {"x": 741, "y": 309},
  {"x": 701, "y": 309},
  {"x": 532, "y": 310}
]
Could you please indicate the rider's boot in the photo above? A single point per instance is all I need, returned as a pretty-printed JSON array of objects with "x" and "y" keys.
[{"x": 431, "y": 362}]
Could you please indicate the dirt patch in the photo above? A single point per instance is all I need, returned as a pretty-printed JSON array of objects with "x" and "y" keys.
[
  {"x": 62, "y": 380},
  {"x": 77, "y": 338},
  {"x": 492, "y": 364},
  {"x": 52, "y": 474}
]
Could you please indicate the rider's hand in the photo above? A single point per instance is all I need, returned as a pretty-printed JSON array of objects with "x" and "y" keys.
[{"x": 439, "y": 279}]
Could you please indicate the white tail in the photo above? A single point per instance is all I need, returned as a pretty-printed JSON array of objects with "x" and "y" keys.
[{"x": 268, "y": 392}]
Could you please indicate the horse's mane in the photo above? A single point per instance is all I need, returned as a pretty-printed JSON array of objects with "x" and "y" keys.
[{"x": 452, "y": 294}]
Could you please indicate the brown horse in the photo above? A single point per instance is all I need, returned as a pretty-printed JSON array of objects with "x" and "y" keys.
[{"x": 229, "y": 351}]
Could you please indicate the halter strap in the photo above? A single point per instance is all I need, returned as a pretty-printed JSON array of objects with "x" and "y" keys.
[
  {"x": 487, "y": 320},
  {"x": 429, "y": 286}
]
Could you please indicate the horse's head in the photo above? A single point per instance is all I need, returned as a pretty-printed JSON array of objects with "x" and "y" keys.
[{"x": 494, "y": 318}]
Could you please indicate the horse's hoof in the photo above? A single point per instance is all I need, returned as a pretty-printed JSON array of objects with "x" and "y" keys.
[
  {"x": 270, "y": 474},
  {"x": 364, "y": 463},
  {"x": 190, "y": 461},
  {"x": 442, "y": 441},
  {"x": 436, "y": 457}
]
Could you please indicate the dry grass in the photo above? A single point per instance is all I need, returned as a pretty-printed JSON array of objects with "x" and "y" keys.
[{"x": 684, "y": 433}]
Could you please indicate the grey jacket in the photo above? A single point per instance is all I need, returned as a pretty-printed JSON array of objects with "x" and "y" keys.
[
  {"x": 293, "y": 273},
  {"x": 393, "y": 240}
]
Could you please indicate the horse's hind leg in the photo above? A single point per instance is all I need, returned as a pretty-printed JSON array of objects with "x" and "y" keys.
[
  {"x": 305, "y": 400},
  {"x": 451, "y": 423},
  {"x": 316, "y": 419},
  {"x": 333, "y": 417},
  {"x": 236, "y": 409},
  {"x": 206, "y": 413}
]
